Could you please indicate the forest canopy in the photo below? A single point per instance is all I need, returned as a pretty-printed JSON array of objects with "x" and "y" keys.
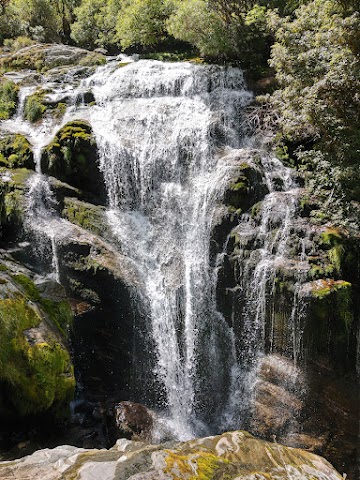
[{"x": 309, "y": 49}]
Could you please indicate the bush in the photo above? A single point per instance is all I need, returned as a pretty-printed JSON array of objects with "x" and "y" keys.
[{"x": 8, "y": 98}]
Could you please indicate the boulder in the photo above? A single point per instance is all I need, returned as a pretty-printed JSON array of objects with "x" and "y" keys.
[
  {"x": 43, "y": 57},
  {"x": 72, "y": 158},
  {"x": 36, "y": 372},
  {"x": 133, "y": 421},
  {"x": 235, "y": 455}
]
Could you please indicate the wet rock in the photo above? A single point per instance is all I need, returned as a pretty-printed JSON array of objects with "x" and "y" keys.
[
  {"x": 133, "y": 421},
  {"x": 72, "y": 158},
  {"x": 36, "y": 372},
  {"x": 235, "y": 455},
  {"x": 279, "y": 398}
]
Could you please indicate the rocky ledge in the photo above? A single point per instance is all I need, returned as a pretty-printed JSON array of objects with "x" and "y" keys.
[{"x": 235, "y": 455}]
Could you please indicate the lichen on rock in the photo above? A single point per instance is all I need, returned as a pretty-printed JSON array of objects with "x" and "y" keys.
[
  {"x": 36, "y": 371},
  {"x": 232, "y": 456}
]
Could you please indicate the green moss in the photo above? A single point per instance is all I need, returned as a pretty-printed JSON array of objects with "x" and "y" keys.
[
  {"x": 81, "y": 291},
  {"x": 8, "y": 98},
  {"x": 13, "y": 208},
  {"x": 34, "y": 109},
  {"x": 16, "y": 152},
  {"x": 256, "y": 210},
  {"x": 322, "y": 288},
  {"x": 59, "y": 312},
  {"x": 60, "y": 110},
  {"x": 85, "y": 215},
  {"x": 72, "y": 158},
  {"x": 93, "y": 59},
  {"x": 39, "y": 376}
]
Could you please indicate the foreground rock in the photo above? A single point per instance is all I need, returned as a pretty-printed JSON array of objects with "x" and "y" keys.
[{"x": 235, "y": 455}]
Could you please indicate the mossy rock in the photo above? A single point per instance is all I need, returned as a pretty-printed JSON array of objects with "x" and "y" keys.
[
  {"x": 72, "y": 158},
  {"x": 85, "y": 215},
  {"x": 36, "y": 371},
  {"x": 34, "y": 107},
  {"x": 8, "y": 98},
  {"x": 330, "y": 320},
  {"x": 15, "y": 152},
  {"x": 13, "y": 186},
  {"x": 44, "y": 57},
  {"x": 245, "y": 189}
]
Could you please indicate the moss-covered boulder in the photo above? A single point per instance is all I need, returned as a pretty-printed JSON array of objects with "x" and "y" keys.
[
  {"x": 85, "y": 215},
  {"x": 245, "y": 189},
  {"x": 15, "y": 152},
  {"x": 13, "y": 187},
  {"x": 43, "y": 57},
  {"x": 231, "y": 456},
  {"x": 34, "y": 107},
  {"x": 36, "y": 372},
  {"x": 72, "y": 158},
  {"x": 8, "y": 98}
]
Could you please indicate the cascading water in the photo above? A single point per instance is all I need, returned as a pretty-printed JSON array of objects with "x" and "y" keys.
[
  {"x": 163, "y": 132},
  {"x": 42, "y": 220},
  {"x": 265, "y": 247},
  {"x": 164, "y": 175}
]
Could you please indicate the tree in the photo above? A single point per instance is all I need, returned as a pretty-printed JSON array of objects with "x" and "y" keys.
[
  {"x": 142, "y": 22},
  {"x": 317, "y": 62},
  {"x": 95, "y": 23},
  {"x": 37, "y": 13}
]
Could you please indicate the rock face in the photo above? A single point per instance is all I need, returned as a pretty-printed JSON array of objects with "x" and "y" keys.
[
  {"x": 43, "y": 57},
  {"x": 36, "y": 372},
  {"x": 235, "y": 455},
  {"x": 72, "y": 158}
]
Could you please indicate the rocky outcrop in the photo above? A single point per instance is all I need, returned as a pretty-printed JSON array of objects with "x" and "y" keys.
[
  {"x": 72, "y": 158},
  {"x": 36, "y": 372},
  {"x": 44, "y": 57},
  {"x": 235, "y": 455}
]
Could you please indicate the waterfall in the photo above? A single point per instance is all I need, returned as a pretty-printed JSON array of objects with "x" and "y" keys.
[
  {"x": 42, "y": 220},
  {"x": 163, "y": 133},
  {"x": 160, "y": 153}
]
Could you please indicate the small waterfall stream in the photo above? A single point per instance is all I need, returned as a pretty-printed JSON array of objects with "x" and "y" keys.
[
  {"x": 164, "y": 174},
  {"x": 163, "y": 132}
]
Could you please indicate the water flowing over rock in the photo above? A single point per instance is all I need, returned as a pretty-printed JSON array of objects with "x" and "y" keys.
[{"x": 201, "y": 287}]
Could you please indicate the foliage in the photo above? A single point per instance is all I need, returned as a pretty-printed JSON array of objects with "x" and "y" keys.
[
  {"x": 8, "y": 98},
  {"x": 34, "y": 108},
  {"x": 317, "y": 64},
  {"x": 95, "y": 23},
  {"x": 142, "y": 22}
]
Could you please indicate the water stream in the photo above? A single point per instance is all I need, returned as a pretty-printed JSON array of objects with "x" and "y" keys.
[{"x": 163, "y": 132}]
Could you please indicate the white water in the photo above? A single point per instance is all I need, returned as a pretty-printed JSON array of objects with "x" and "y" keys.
[
  {"x": 159, "y": 155},
  {"x": 162, "y": 131},
  {"x": 265, "y": 248}
]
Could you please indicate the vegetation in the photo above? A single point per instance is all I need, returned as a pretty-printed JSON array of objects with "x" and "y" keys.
[
  {"x": 39, "y": 374},
  {"x": 8, "y": 98}
]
